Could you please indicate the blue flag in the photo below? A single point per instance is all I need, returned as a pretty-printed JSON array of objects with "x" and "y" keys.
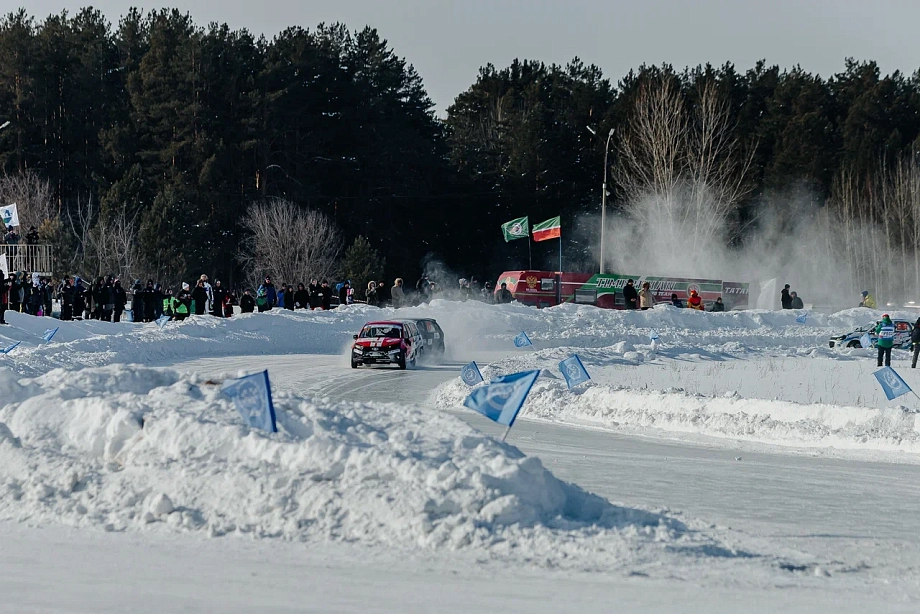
[
  {"x": 252, "y": 396},
  {"x": 801, "y": 319},
  {"x": 573, "y": 371},
  {"x": 49, "y": 334},
  {"x": 654, "y": 335},
  {"x": 865, "y": 341},
  {"x": 891, "y": 383},
  {"x": 162, "y": 320},
  {"x": 470, "y": 374},
  {"x": 10, "y": 348},
  {"x": 502, "y": 398},
  {"x": 522, "y": 340}
]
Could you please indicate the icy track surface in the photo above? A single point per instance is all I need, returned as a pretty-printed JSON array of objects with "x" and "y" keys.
[{"x": 754, "y": 376}]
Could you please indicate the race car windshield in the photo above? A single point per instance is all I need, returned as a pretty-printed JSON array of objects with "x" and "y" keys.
[{"x": 378, "y": 332}]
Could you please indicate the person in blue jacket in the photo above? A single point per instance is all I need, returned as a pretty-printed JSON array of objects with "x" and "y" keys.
[
  {"x": 676, "y": 302},
  {"x": 267, "y": 292}
]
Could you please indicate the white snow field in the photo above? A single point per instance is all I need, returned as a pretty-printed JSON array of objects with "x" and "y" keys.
[{"x": 737, "y": 465}]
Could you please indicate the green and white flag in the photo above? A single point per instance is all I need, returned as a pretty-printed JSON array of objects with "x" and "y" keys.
[{"x": 516, "y": 229}]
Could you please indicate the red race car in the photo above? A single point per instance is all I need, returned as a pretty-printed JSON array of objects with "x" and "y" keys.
[{"x": 393, "y": 342}]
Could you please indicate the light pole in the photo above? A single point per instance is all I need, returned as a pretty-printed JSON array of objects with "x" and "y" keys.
[{"x": 603, "y": 194}]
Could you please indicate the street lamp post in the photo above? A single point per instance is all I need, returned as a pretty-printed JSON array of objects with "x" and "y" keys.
[{"x": 603, "y": 194}]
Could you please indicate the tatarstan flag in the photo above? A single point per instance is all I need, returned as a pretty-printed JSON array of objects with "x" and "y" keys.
[{"x": 550, "y": 229}]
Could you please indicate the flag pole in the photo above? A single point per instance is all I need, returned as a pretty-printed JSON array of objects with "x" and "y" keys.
[
  {"x": 560, "y": 253},
  {"x": 529, "y": 256},
  {"x": 505, "y": 434}
]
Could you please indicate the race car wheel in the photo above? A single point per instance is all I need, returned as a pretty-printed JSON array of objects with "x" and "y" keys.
[
  {"x": 854, "y": 344},
  {"x": 412, "y": 363},
  {"x": 354, "y": 363},
  {"x": 401, "y": 361}
]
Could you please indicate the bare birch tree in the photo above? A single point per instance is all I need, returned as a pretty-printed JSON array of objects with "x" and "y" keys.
[
  {"x": 104, "y": 245},
  {"x": 290, "y": 243},
  {"x": 32, "y": 196},
  {"x": 683, "y": 172}
]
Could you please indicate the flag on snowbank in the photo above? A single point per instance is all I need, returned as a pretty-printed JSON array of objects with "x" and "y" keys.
[
  {"x": 10, "y": 215},
  {"x": 653, "y": 335},
  {"x": 550, "y": 229},
  {"x": 252, "y": 396},
  {"x": 522, "y": 340},
  {"x": 502, "y": 398},
  {"x": 865, "y": 341},
  {"x": 801, "y": 319},
  {"x": 162, "y": 320},
  {"x": 516, "y": 229},
  {"x": 10, "y": 348},
  {"x": 574, "y": 371},
  {"x": 891, "y": 383},
  {"x": 49, "y": 334},
  {"x": 470, "y": 374}
]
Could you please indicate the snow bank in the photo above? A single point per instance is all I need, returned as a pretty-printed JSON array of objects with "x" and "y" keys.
[
  {"x": 725, "y": 415},
  {"x": 134, "y": 448},
  {"x": 469, "y": 326}
]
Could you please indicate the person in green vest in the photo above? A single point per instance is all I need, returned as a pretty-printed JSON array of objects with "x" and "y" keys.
[
  {"x": 168, "y": 303},
  {"x": 885, "y": 332}
]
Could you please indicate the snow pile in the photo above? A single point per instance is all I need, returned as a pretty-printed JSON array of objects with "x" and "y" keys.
[
  {"x": 724, "y": 413},
  {"x": 125, "y": 447}
]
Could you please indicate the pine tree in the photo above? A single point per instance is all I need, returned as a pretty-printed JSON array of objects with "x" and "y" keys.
[{"x": 362, "y": 264}]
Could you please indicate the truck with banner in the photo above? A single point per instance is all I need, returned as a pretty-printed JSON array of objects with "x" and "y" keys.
[{"x": 548, "y": 288}]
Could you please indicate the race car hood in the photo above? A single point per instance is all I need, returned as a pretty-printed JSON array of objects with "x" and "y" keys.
[{"x": 377, "y": 343}]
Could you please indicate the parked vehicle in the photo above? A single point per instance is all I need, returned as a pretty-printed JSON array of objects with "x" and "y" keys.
[
  {"x": 605, "y": 290},
  {"x": 902, "y": 329},
  {"x": 393, "y": 342}
]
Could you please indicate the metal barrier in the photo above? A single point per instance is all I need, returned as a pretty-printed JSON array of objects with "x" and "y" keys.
[{"x": 29, "y": 258}]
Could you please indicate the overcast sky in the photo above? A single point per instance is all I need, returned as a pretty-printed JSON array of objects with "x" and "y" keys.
[{"x": 448, "y": 41}]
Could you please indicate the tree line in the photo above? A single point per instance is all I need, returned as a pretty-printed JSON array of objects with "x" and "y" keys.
[{"x": 159, "y": 136}]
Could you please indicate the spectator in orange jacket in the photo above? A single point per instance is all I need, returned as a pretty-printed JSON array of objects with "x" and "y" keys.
[{"x": 695, "y": 302}]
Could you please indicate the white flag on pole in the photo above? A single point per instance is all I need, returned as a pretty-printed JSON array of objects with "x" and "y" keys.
[{"x": 10, "y": 215}]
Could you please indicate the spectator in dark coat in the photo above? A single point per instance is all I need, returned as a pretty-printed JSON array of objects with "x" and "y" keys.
[
  {"x": 120, "y": 299},
  {"x": 301, "y": 298},
  {"x": 79, "y": 298},
  {"x": 796, "y": 301},
  {"x": 247, "y": 302},
  {"x": 676, "y": 302},
  {"x": 504, "y": 295},
  {"x": 108, "y": 298},
  {"x": 316, "y": 298},
  {"x": 67, "y": 293},
  {"x": 15, "y": 287},
  {"x": 325, "y": 296},
  {"x": 32, "y": 236},
  {"x": 148, "y": 302},
  {"x": 137, "y": 301},
  {"x": 631, "y": 295},
  {"x": 915, "y": 342},
  {"x": 200, "y": 298},
  {"x": 718, "y": 306},
  {"x": 4, "y": 298},
  {"x": 289, "y": 297},
  {"x": 158, "y": 297},
  {"x": 218, "y": 297},
  {"x": 343, "y": 293},
  {"x": 785, "y": 298}
]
